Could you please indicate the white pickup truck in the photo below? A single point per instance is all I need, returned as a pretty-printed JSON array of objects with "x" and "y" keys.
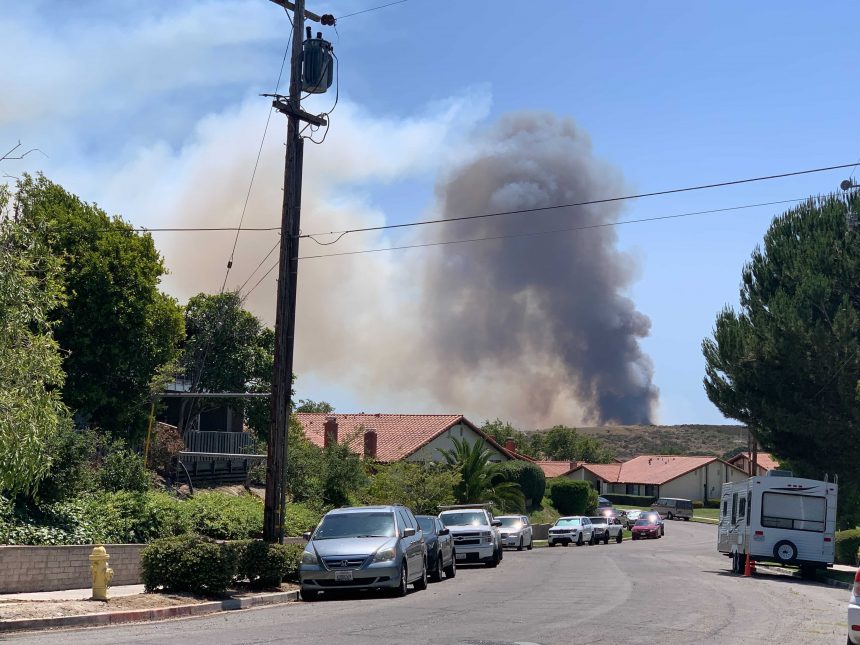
[
  {"x": 476, "y": 534},
  {"x": 607, "y": 528}
]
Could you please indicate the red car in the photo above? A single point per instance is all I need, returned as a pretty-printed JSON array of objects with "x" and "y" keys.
[{"x": 648, "y": 526}]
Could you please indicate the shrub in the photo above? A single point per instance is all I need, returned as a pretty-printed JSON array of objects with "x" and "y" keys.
[
  {"x": 45, "y": 524},
  {"x": 266, "y": 565},
  {"x": 421, "y": 487},
  {"x": 122, "y": 469},
  {"x": 847, "y": 545},
  {"x": 188, "y": 564},
  {"x": 166, "y": 444},
  {"x": 573, "y": 497},
  {"x": 643, "y": 501},
  {"x": 300, "y": 518},
  {"x": 530, "y": 478},
  {"x": 698, "y": 504},
  {"x": 70, "y": 473},
  {"x": 224, "y": 517},
  {"x": 136, "y": 518}
]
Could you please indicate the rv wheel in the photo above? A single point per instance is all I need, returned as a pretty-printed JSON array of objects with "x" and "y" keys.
[{"x": 785, "y": 551}]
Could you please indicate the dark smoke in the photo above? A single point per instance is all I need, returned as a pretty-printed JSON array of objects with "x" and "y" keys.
[{"x": 557, "y": 299}]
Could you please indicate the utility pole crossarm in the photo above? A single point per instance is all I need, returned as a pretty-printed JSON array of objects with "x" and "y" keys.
[{"x": 286, "y": 4}]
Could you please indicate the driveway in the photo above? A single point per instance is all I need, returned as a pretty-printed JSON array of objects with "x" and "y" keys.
[{"x": 673, "y": 590}]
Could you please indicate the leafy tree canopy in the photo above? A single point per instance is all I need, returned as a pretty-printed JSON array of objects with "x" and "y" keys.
[
  {"x": 116, "y": 328},
  {"x": 32, "y": 415},
  {"x": 306, "y": 405},
  {"x": 559, "y": 443},
  {"x": 786, "y": 363}
]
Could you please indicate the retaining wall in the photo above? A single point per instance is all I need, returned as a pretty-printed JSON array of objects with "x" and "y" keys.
[{"x": 52, "y": 568}]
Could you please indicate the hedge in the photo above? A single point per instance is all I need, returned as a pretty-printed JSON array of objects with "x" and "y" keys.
[
  {"x": 631, "y": 500},
  {"x": 528, "y": 476},
  {"x": 847, "y": 545},
  {"x": 206, "y": 567},
  {"x": 573, "y": 497}
]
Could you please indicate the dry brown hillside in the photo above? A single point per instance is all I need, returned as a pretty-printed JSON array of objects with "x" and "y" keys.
[{"x": 629, "y": 441}]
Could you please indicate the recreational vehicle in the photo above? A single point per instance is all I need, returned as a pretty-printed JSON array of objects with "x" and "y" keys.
[{"x": 778, "y": 518}]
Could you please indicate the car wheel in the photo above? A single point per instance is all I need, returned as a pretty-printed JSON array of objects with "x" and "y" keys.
[
  {"x": 620, "y": 537},
  {"x": 501, "y": 552},
  {"x": 550, "y": 544},
  {"x": 531, "y": 544},
  {"x": 401, "y": 589},
  {"x": 451, "y": 570},
  {"x": 421, "y": 583},
  {"x": 580, "y": 540},
  {"x": 669, "y": 516},
  {"x": 566, "y": 543},
  {"x": 634, "y": 537},
  {"x": 436, "y": 574},
  {"x": 309, "y": 595},
  {"x": 592, "y": 541},
  {"x": 520, "y": 546},
  {"x": 785, "y": 551},
  {"x": 494, "y": 561}
]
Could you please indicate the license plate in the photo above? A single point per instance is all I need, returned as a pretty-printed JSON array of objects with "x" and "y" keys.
[
  {"x": 461, "y": 556},
  {"x": 343, "y": 576}
]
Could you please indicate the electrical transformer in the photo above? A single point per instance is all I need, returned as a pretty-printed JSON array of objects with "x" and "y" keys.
[{"x": 317, "y": 64}]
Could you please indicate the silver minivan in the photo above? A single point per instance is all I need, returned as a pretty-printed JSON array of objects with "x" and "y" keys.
[{"x": 673, "y": 508}]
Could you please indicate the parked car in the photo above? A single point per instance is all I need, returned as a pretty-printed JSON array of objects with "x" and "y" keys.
[
  {"x": 602, "y": 502},
  {"x": 440, "y": 547},
  {"x": 607, "y": 528},
  {"x": 854, "y": 612},
  {"x": 364, "y": 547},
  {"x": 476, "y": 534},
  {"x": 516, "y": 531},
  {"x": 673, "y": 508},
  {"x": 632, "y": 515},
  {"x": 649, "y": 525},
  {"x": 572, "y": 529}
]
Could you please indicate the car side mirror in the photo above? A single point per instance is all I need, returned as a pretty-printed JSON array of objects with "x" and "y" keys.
[
  {"x": 408, "y": 532},
  {"x": 444, "y": 532},
  {"x": 307, "y": 536},
  {"x": 496, "y": 522}
]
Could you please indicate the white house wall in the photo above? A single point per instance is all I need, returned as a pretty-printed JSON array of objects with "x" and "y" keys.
[
  {"x": 430, "y": 452},
  {"x": 692, "y": 485}
]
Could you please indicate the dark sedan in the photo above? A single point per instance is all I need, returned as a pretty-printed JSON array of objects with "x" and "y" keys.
[{"x": 440, "y": 548}]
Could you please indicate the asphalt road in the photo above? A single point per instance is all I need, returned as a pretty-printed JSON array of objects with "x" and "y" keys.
[{"x": 673, "y": 590}]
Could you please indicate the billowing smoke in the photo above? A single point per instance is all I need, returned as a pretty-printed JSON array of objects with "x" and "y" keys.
[{"x": 546, "y": 311}]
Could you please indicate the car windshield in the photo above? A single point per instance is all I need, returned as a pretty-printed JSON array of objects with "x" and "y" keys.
[
  {"x": 598, "y": 520},
  {"x": 510, "y": 522},
  {"x": 568, "y": 521},
  {"x": 463, "y": 518},
  {"x": 643, "y": 522},
  {"x": 427, "y": 524},
  {"x": 356, "y": 525}
]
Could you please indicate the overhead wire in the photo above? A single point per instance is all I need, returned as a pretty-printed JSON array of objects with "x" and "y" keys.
[
  {"x": 604, "y": 200},
  {"x": 382, "y": 6}
]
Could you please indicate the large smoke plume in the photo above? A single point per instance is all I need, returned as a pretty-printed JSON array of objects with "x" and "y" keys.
[{"x": 547, "y": 311}]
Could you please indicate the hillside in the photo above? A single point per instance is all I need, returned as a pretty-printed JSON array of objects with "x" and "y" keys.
[{"x": 629, "y": 441}]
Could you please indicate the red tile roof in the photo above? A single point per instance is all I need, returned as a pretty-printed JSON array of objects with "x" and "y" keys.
[
  {"x": 763, "y": 460},
  {"x": 398, "y": 435},
  {"x": 649, "y": 469},
  {"x": 556, "y": 468}
]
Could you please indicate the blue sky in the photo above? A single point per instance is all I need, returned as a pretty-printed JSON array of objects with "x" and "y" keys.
[{"x": 150, "y": 109}]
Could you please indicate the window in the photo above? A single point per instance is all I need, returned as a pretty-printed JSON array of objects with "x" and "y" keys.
[
  {"x": 734, "y": 508},
  {"x": 798, "y": 512},
  {"x": 725, "y": 507},
  {"x": 651, "y": 490},
  {"x": 742, "y": 509},
  {"x": 749, "y": 507}
]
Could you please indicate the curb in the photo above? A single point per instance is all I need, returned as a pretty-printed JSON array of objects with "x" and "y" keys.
[
  {"x": 830, "y": 582},
  {"x": 139, "y": 615},
  {"x": 705, "y": 520}
]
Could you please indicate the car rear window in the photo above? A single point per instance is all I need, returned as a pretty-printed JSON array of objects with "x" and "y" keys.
[
  {"x": 598, "y": 520},
  {"x": 463, "y": 518}
]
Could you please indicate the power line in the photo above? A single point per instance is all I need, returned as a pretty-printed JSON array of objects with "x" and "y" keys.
[
  {"x": 382, "y": 6},
  {"x": 585, "y": 203},
  {"x": 529, "y": 234},
  {"x": 248, "y": 279}
]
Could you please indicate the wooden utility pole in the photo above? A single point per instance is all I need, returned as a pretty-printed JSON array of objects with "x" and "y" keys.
[{"x": 285, "y": 316}]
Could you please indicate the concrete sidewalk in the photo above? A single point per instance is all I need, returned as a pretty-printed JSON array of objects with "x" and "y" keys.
[{"x": 73, "y": 594}]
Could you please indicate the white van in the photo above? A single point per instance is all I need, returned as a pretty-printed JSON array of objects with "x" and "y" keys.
[{"x": 778, "y": 518}]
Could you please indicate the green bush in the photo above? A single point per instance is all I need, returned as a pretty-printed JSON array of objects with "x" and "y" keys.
[
  {"x": 125, "y": 517},
  {"x": 122, "y": 469},
  {"x": 530, "y": 478},
  {"x": 70, "y": 473},
  {"x": 712, "y": 503},
  {"x": 573, "y": 497},
  {"x": 45, "y": 524},
  {"x": 300, "y": 518},
  {"x": 847, "y": 545},
  {"x": 421, "y": 487},
  {"x": 188, "y": 564},
  {"x": 642, "y": 501},
  {"x": 698, "y": 504},
  {"x": 224, "y": 517},
  {"x": 266, "y": 565}
]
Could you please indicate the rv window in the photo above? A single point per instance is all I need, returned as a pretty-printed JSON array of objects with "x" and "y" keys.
[
  {"x": 749, "y": 506},
  {"x": 742, "y": 509},
  {"x": 725, "y": 507},
  {"x": 734, "y": 508},
  {"x": 798, "y": 512}
]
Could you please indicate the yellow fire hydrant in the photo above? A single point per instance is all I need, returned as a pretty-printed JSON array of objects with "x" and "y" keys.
[{"x": 102, "y": 573}]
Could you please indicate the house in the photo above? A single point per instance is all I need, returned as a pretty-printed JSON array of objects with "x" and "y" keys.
[
  {"x": 695, "y": 478},
  {"x": 556, "y": 468},
  {"x": 216, "y": 417},
  {"x": 764, "y": 462},
  {"x": 397, "y": 437}
]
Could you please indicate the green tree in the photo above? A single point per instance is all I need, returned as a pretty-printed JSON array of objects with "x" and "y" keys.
[
  {"x": 31, "y": 412},
  {"x": 227, "y": 349},
  {"x": 566, "y": 444},
  {"x": 529, "y": 477},
  {"x": 479, "y": 479},
  {"x": 115, "y": 327},
  {"x": 306, "y": 405},
  {"x": 421, "y": 487},
  {"x": 786, "y": 363}
]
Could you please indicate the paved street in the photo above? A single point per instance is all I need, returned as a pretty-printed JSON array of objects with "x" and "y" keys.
[{"x": 672, "y": 590}]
